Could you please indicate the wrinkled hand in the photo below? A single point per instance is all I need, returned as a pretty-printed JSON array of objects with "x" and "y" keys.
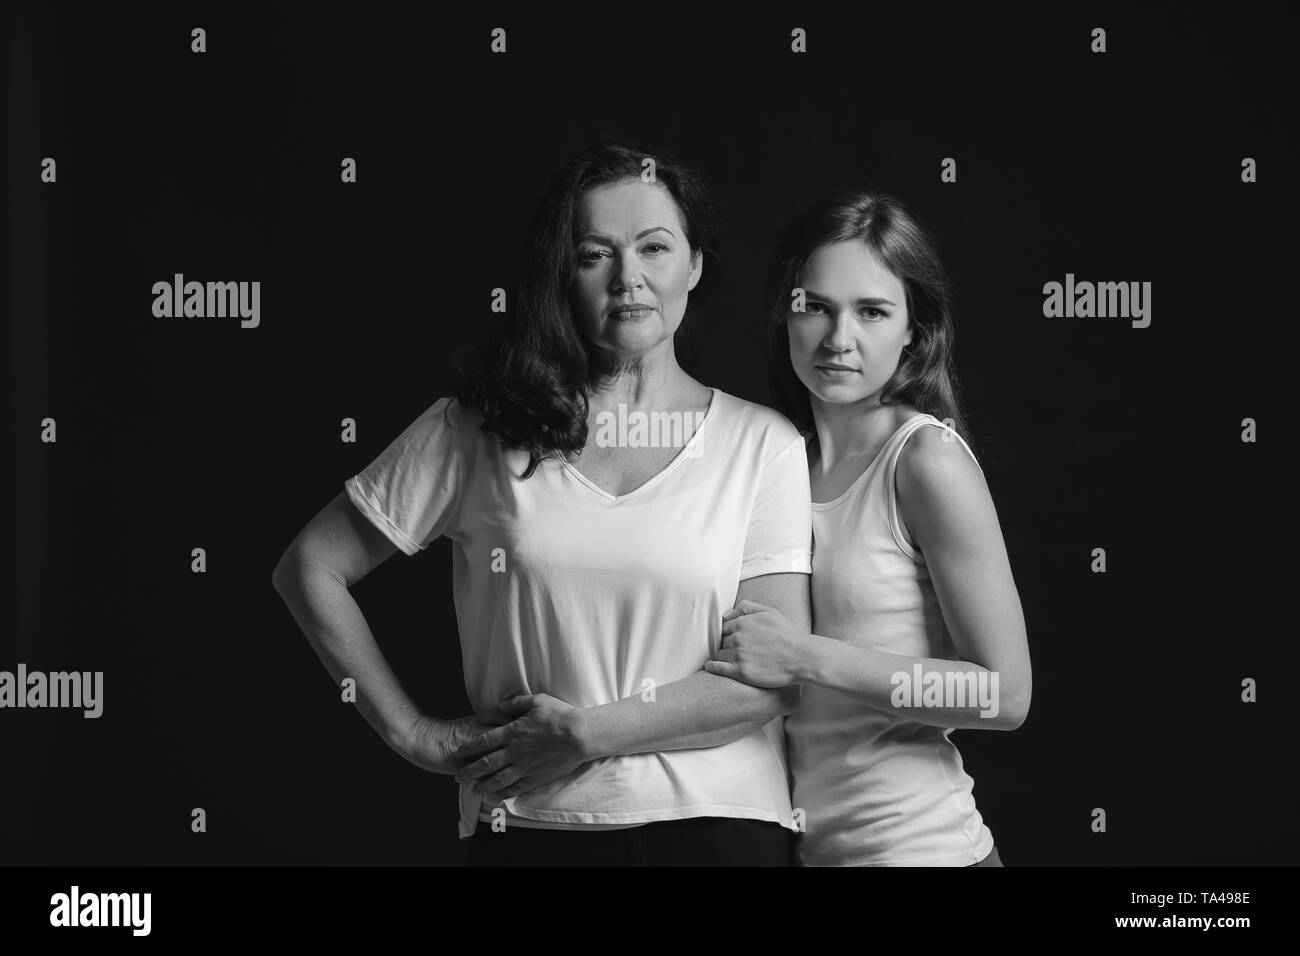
[
  {"x": 545, "y": 740},
  {"x": 432, "y": 739},
  {"x": 759, "y": 647}
]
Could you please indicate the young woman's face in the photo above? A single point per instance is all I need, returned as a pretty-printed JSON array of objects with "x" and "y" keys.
[
  {"x": 632, "y": 250},
  {"x": 847, "y": 343}
]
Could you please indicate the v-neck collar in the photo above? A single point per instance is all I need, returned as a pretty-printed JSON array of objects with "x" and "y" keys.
[{"x": 682, "y": 455}]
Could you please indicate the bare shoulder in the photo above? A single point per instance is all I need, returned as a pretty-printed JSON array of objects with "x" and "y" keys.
[
  {"x": 935, "y": 450},
  {"x": 934, "y": 467}
]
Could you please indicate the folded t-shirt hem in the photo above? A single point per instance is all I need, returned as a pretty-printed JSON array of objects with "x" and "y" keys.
[
  {"x": 799, "y": 562},
  {"x": 378, "y": 518}
]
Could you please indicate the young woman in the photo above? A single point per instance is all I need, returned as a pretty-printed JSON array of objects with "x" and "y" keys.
[{"x": 917, "y": 626}]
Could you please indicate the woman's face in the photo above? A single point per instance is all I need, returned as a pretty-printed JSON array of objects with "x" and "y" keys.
[
  {"x": 846, "y": 344},
  {"x": 632, "y": 250}
]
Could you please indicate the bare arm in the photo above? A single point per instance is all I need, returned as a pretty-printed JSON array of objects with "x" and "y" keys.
[
  {"x": 332, "y": 553},
  {"x": 946, "y": 506},
  {"x": 702, "y": 710}
]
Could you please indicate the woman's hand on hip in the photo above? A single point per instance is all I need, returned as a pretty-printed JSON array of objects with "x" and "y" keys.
[
  {"x": 432, "y": 740},
  {"x": 759, "y": 647},
  {"x": 547, "y": 739}
]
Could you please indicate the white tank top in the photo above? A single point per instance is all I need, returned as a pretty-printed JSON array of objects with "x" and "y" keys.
[{"x": 875, "y": 789}]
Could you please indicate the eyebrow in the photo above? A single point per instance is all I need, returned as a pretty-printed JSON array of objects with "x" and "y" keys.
[
  {"x": 640, "y": 235},
  {"x": 866, "y": 300}
]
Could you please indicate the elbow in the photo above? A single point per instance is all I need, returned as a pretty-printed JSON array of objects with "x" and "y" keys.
[
  {"x": 1014, "y": 711},
  {"x": 785, "y": 700},
  {"x": 1011, "y": 720},
  {"x": 283, "y": 570}
]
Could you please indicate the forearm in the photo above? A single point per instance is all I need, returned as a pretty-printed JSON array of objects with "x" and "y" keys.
[
  {"x": 702, "y": 710},
  {"x": 336, "y": 629},
  {"x": 889, "y": 682}
]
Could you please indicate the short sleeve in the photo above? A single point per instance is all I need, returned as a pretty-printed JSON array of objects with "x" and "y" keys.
[
  {"x": 412, "y": 491},
  {"x": 780, "y": 525}
]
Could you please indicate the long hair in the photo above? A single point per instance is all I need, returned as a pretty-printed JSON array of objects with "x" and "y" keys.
[
  {"x": 925, "y": 378},
  {"x": 532, "y": 379}
]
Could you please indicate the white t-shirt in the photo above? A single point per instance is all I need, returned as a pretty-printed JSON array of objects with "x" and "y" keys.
[
  {"x": 593, "y": 595},
  {"x": 878, "y": 789}
]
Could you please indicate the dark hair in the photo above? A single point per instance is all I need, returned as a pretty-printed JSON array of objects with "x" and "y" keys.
[
  {"x": 925, "y": 377},
  {"x": 531, "y": 379}
]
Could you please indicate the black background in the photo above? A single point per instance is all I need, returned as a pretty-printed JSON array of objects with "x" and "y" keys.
[{"x": 182, "y": 433}]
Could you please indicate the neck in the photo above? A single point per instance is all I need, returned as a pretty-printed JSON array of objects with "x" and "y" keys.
[
  {"x": 854, "y": 430},
  {"x": 637, "y": 379}
]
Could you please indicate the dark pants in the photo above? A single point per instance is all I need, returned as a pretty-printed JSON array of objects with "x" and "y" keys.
[
  {"x": 991, "y": 860},
  {"x": 695, "y": 841}
]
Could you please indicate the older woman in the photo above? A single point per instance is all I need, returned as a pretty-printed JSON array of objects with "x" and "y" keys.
[{"x": 592, "y": 565}]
